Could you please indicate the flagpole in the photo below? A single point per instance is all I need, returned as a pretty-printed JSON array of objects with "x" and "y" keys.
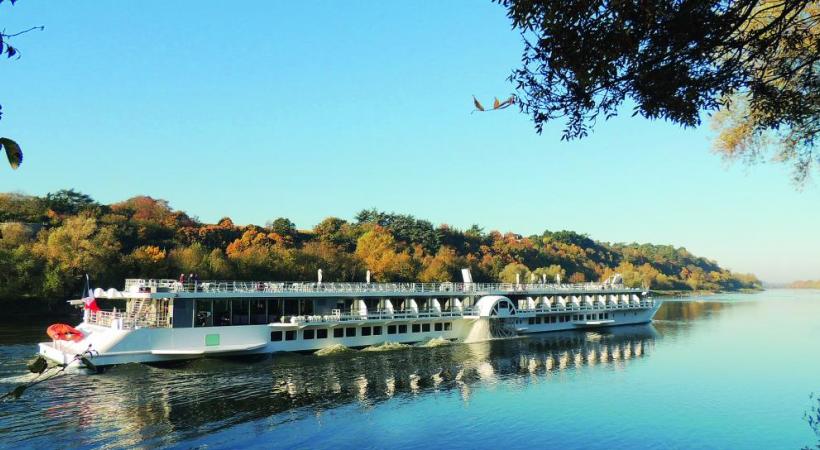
[{"x": 86, "y": 311}]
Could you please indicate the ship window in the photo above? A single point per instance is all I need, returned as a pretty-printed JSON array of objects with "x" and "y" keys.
[
  {"x": 402, "y": 329},
  {"x": 321, "y": 333},
  {"x": 308, "y": 334},
  {"x": 391, "y": 329},
  {"x": 275, "y": 309},
  {"x": 240, "y": 310},
  {"x": 338, "y": 332},
  {"x": 290, "y": 335},
  {"x": 531, "y": 320},
  {"x": 350, "y": 332},
  {"x": 291, "y": 307},
  {"x": 259, "y": 314},
  {"x": 222, "y": 312},
  {"x": 203, "y": 316},
  {"x": 425, "y": 327},
  {"x": 276, "y": 336},
  {"x": 438, "y": 326},
  {"x": 416, "y": 328},
  {"x": 448, "y": 326},
  {"x": 365, "y": 331},
  {"x": 305, "y": 307},
  {"x": 377, "y": 330}
]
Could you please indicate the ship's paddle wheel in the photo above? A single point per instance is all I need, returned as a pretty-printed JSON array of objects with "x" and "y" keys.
[{"x": 502, "y": 328}]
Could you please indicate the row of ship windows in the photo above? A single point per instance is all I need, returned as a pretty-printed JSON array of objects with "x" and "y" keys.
[
  {"x": 566, "y": 318},
  {"x": 322, "y": 333}
]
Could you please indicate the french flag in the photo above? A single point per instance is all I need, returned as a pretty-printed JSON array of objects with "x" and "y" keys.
[{"x": 90, "y": 303}]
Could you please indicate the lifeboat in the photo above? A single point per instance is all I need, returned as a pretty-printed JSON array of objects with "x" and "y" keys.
[{"x": 63, "y": 332}]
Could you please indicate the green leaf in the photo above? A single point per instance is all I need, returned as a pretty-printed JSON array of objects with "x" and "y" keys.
[{"x": 13, "y": 151}]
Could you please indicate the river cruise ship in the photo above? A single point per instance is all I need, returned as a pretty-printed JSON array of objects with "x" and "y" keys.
[{"x": 156, "y": 321}]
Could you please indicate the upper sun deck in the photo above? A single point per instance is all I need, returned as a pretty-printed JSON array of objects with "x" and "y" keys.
[{"x": 173, "y": 288}]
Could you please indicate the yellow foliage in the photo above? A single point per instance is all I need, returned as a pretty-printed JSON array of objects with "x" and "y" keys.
[
  {"x": 150, "y": 253},
  {"x": 377, "y": 250}
]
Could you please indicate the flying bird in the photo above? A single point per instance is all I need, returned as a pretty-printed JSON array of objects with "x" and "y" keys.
[
  {"x": 13, "y": 152},
  {"x": 497, "y": 104}
]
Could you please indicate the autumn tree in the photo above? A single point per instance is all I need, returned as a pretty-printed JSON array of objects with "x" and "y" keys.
[
  {"x": 68, "y": 201},
  {"x": 20, "y": 268},
  {"x": 148, "y": 261},
  {"x": 191, "y": 259},
  {"x": 337, "y": 232},
  {"x": 22, "y": 208},
  {"x": 377, "y": 251},
  {"x": 76, "y": 247},
  {"x": 515, "y": 272},
  {"x": 404, "y": 227},
  {"x": 283, "y": 227},
  {"x": 754, "y": 60},
  {"x": 550, "y": 273},
  {"x": 335, "y": 262},
  {"x": 446, "y": 265},
  {"x": 577, "y": 277}
]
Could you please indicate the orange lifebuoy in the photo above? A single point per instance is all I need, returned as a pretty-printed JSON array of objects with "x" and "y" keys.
[{"x": 63, "y": 332}]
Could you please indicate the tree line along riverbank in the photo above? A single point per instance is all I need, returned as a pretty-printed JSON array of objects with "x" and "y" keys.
[{"x": 48, "y": 243}]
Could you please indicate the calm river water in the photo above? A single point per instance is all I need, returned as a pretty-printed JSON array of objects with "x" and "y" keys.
[{"x": 732, "y": 371}]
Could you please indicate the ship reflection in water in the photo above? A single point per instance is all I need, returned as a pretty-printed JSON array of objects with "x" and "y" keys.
[{"x": 139, "y": 405}]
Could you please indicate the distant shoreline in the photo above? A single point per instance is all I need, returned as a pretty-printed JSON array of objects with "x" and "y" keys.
[
  {"x": 804, "y": 284},
  {"x": 698, "y": 293}
]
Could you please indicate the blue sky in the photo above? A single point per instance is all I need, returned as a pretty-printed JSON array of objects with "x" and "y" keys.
[{"x": 312, "y": 109}]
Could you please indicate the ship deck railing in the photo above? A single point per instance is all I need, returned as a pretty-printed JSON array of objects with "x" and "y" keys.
[
  {"x": 396, "y": 315},
  {"x": 123, "y": 320},
  {"x": 169, "y": 285}
]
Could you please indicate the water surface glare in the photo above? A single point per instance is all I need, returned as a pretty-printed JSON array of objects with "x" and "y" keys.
[{"x": 731, "y": 371}]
